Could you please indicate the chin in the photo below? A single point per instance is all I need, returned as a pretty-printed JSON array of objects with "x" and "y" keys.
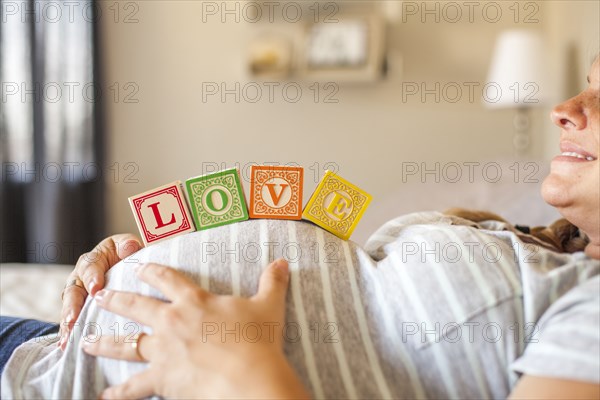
[
  {"x": 558, "y": 193},
  {"x": 593, "y": 251},
  {"x": 555, "y": 191}
]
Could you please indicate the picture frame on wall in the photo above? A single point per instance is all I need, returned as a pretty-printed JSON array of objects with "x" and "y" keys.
[{"x": 350, "y": 50}]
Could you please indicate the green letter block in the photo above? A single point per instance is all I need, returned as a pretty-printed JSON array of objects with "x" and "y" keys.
[{"x": 217, "y": 199}]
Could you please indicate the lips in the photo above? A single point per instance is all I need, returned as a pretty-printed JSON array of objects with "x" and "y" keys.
[{"x": 569, "y": 149}]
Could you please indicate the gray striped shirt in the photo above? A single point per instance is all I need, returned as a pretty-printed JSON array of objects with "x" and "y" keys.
[{"x": 432, "y": 307}]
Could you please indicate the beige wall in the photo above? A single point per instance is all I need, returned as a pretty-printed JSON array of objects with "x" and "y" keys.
[{"x": 170, "y": 132}]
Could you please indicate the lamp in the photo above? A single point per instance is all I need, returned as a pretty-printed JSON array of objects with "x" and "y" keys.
[{"x": 517, "y": 79}]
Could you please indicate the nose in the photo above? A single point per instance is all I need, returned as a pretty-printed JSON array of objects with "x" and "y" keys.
[{"x": 570, "y": 115}]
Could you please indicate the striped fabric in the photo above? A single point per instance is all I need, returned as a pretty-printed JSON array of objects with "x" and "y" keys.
[{"x": 432, "y": 307}]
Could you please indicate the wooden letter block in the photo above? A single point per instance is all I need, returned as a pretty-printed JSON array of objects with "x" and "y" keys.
[
  {"x": 337, "y": 205},
  {"x": 217, "y": 199},
  {"x": 276, "y": 192},
  {"x": 161, "y": 213}
]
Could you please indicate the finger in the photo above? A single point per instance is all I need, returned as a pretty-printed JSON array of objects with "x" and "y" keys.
[
  {"x": 72, "y": 303},
  {"x": 127, "y": 244},
  {"x": 134, "y": 306},
  {"x": 92, "y": 266},
  {"x": 273, "y": 284},
  {"x": 137, "y": 387},
  {"x": 72, "y": 294},
  {"x": 120, "y": 348},
  {"x": 170, "y": 282}
]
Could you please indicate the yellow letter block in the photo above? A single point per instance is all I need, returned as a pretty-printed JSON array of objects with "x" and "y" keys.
[{"x": 337, "y": 205}]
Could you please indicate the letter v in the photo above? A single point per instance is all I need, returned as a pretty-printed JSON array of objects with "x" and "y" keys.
[{"x": 274, "y": 196}]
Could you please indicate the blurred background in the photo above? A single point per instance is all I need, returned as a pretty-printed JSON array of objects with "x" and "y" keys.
[{"x": 425, "y": 105}]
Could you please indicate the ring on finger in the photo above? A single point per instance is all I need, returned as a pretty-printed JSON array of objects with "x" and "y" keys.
[
  {"x": 72, "y": 282},
  {"x": 135, "y": 345}
]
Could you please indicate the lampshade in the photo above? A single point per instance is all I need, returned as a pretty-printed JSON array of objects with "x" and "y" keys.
[{"x": 518, "y": 73}]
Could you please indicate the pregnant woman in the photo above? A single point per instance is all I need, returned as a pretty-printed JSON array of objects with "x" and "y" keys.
[{"x": 435, "y": 306}]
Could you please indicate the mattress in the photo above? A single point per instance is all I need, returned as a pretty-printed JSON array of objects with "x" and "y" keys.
[{"x": 32, "y": 290}]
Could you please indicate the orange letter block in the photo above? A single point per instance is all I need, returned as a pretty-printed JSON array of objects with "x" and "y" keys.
[{"x": 276, "y": 192}]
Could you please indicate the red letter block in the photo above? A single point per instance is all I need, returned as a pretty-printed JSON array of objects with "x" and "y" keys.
[
  {"x": 276, "y": 192},
  {"x": 161, "y": 213}
]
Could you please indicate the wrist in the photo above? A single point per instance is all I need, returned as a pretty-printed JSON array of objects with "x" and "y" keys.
[
  {"x": 276, "y": 379},
  {"x": 262, "y": 373}
]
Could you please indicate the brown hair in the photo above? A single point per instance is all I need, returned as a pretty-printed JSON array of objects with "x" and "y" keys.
[{"x": 561, "y": 235}]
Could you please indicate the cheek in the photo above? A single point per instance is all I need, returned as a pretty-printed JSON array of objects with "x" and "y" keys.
[
  {"x": 595, "y": 124},
  {"x": 594, "y": 182},
  {"x": 594, "y": 118}
]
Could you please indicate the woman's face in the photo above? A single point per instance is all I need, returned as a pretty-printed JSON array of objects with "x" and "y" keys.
[{"x": 573, "y": 186}]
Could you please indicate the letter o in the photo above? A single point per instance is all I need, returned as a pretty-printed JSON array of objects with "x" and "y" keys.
[
  {"x": 258, "y": 330},
  {"x": 498, "y": 169},
  {"x": 285, "y": 90},
  {"x": 458, "y": 174},
  {"x": 454, "y": 5},
  {"x": 297, "y": 330},
  {"x": 485, "y": 252},
  {"x": 498, "y": 12},
  {"x": 285, "y": 13},
  {"x": 498, "y": 331},
  {"x": 258, "y": 90}
]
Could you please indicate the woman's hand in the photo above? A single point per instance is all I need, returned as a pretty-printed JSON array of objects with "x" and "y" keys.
[
  {"x": 89, "y": 271},
  {"x": 203, "y": 345}
]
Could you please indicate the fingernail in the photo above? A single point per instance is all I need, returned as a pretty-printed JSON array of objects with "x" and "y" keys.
[
  {"x": 101, "y": 295},
  {"x": 93, "y": 286},
  {"x": 133, "y": 244},
  {"x": 281, "y": 265}
]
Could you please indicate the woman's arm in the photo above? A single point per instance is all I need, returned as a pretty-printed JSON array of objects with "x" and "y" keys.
[{"x": 538, "y": 387}]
